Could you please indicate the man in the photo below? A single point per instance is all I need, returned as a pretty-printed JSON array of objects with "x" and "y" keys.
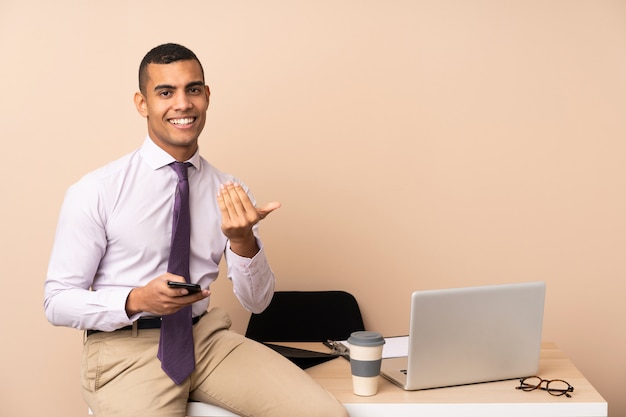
[{"x": 117, "y": 240}]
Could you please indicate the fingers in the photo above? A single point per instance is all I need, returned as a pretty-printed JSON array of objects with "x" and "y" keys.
[
  {"x": 239, "y": 215},
  {"x": 176, "y": 292},
  {"x": 233, "y": 201},
  {"x": 268, "y": 208},
  {"x": 157, "y": 298},
  {"x": 176, "y": 298}
]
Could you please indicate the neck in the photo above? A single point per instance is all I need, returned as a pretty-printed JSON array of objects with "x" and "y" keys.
[{"x": 181, "y": 153}]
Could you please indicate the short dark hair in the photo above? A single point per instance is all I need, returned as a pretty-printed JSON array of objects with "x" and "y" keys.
[{"x": 164, "y": 54}]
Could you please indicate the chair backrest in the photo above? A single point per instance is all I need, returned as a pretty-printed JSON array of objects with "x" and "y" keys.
[{"x": 306, "y": 316}]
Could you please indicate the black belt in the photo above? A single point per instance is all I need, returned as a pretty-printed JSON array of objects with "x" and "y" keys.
[{"x": 144, "y": 323}]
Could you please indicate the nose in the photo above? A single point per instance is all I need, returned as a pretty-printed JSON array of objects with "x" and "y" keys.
[{"x": 182, "y": 102}]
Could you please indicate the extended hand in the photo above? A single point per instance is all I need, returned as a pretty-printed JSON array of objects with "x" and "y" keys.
[{"x": 239, "y": 215}]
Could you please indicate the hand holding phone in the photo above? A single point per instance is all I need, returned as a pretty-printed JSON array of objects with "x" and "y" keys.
[{"x": 192, "y": 288}]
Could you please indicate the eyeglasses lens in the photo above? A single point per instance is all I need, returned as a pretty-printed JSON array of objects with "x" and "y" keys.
[
  {"x": 530, "y": 383},
  {"x": 558, "y": 387}
]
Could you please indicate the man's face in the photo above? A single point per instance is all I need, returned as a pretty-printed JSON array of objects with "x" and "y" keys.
[{"x": 175, "y": 103}]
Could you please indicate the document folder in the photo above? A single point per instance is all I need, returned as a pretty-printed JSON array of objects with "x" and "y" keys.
[{"x": 302, "y": 357}]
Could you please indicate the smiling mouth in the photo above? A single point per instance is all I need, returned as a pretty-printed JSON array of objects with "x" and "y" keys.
[{"x": 184, "y": 121}]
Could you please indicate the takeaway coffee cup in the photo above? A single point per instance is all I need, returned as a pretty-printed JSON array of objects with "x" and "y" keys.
[{"x": 366, "y": 350}]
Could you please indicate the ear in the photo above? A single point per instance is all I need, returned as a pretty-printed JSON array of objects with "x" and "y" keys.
[
  {"x": 207, "y": 92},
  {"x": 140, "y": 104}
]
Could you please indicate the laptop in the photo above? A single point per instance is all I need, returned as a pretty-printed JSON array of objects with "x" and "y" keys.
[{"x": 470, "y": 335}]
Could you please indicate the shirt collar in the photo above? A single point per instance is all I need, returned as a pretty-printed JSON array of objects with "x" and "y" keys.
[{"x": 157, "y": 158}]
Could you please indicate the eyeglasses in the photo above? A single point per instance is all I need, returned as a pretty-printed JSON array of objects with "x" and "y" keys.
[
  {"x": 338, "y": 348},
  {"x": 556, "y": 387}
]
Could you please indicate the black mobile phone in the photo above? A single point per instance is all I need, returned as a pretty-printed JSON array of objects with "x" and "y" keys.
[{"x": 192, "y": 288}]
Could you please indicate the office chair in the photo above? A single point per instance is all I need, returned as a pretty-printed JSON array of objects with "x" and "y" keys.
[{"x": 306, "y": 316}]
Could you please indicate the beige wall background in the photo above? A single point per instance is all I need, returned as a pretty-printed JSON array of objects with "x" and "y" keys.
[{"x": 414, "y": 144}]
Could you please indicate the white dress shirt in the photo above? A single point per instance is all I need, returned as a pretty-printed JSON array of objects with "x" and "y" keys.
[{"x": 114, "y": 234}]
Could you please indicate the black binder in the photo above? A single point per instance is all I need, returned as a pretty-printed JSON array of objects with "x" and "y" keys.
[{"x": 302, "y": 357}]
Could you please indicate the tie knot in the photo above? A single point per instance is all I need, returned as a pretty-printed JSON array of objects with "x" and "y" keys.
[{"x": 181, "y": 169}]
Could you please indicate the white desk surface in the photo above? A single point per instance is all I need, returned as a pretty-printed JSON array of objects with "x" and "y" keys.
[{"x": 494, "y": 399}]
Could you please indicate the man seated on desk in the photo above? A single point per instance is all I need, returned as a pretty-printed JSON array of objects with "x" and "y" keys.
[{"x": 159, "y": 214}]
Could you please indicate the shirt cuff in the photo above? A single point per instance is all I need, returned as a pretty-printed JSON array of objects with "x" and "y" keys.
[
  {"x": 115, "y": 316},
  {"x": 242, "y": 262}
]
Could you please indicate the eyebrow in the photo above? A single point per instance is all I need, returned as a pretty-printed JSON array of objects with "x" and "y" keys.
[{"x": 171, "y": 87}]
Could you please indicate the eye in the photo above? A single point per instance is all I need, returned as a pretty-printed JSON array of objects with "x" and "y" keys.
[
  {"x": 195, "y": 90},
  {"x": 165, "y": 93}
]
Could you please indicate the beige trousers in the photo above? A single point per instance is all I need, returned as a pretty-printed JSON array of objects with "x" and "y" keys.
[{"x": 122, "y": 377}]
